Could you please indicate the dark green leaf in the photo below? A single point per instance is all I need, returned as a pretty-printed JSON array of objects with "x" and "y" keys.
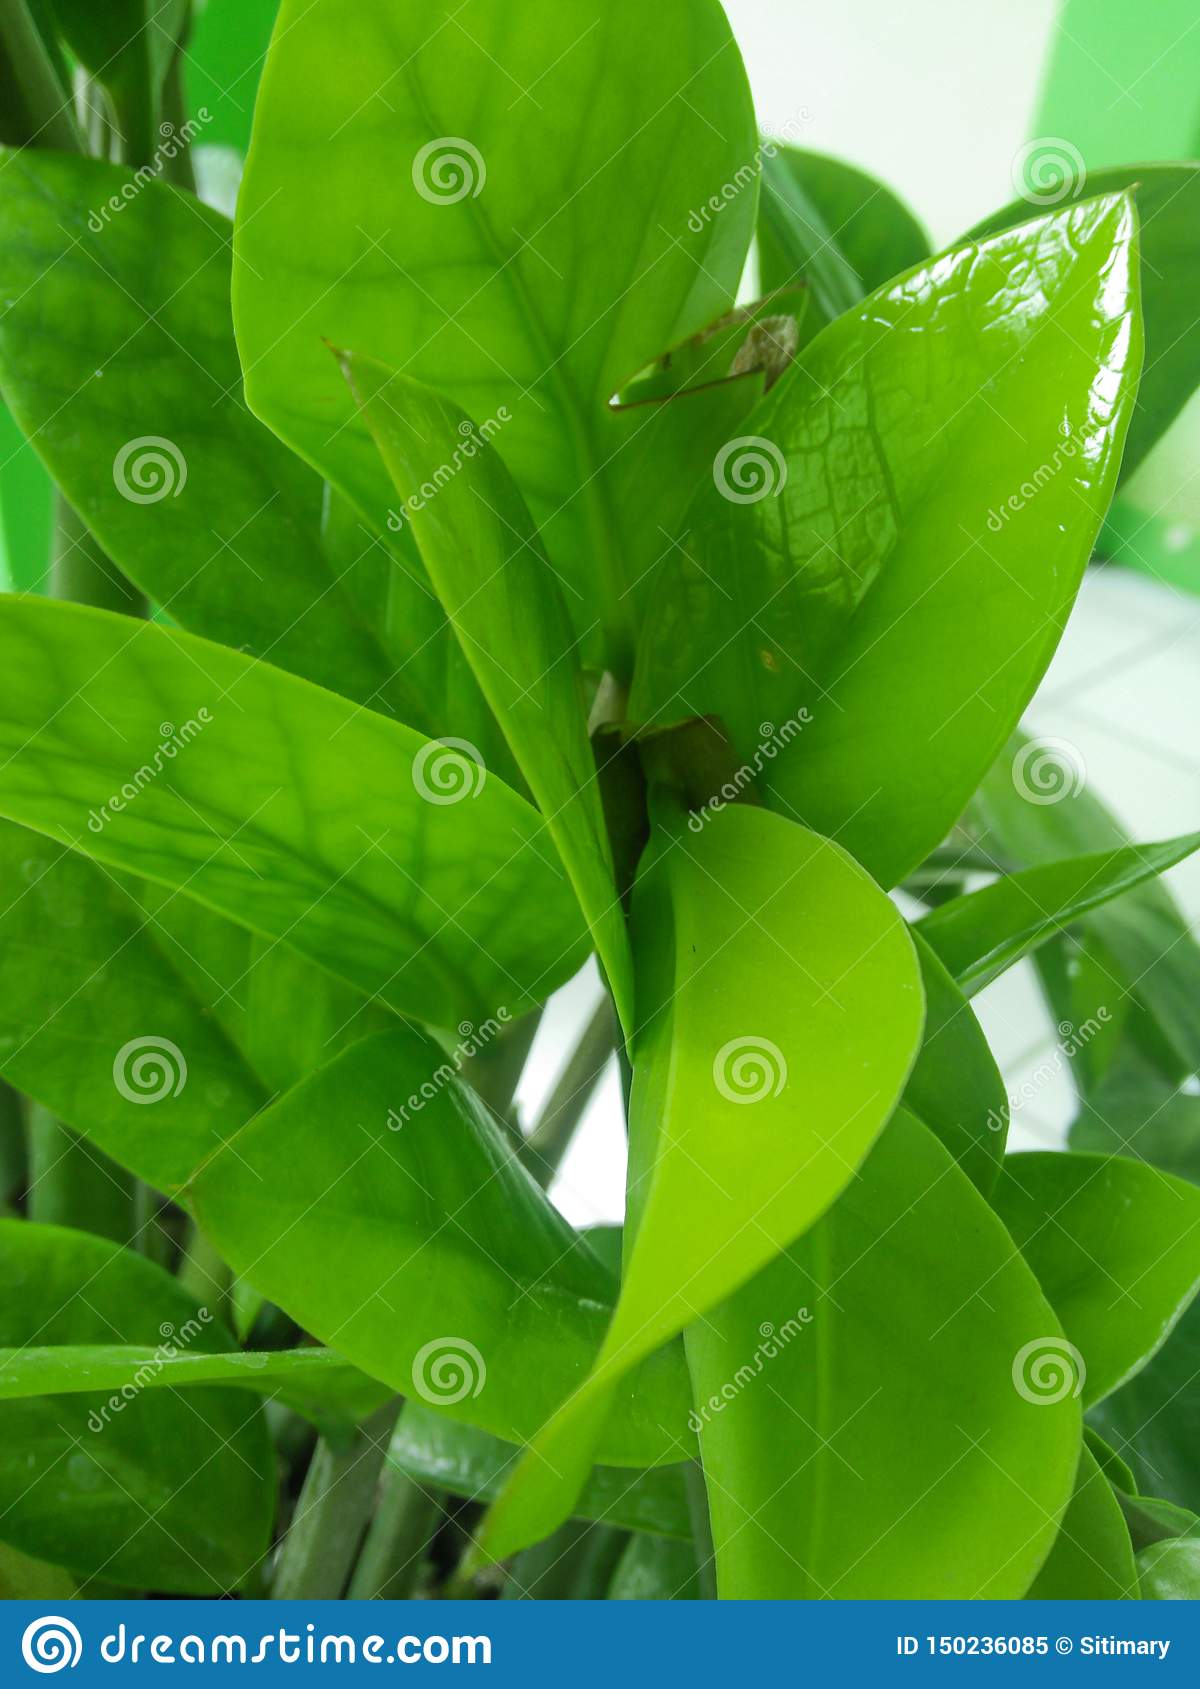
[
  {"x": 1116, "y": 1247},
  {"x": 144, "y": 1489},
  {"x": 1154, "y": 1421},
  {"x": 1092, "y": 1557},
  {"x": 656, "y": 1569}
]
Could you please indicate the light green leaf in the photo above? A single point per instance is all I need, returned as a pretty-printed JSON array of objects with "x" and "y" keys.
[
  {"x": 1167, "y": 197},
  {"x": 656, "y": 1569},
  {"x": 874, "y": 584},
  {"x": 148, "y": 1491},
  {"x": 1115, "y": 1245},
  {"x": 980, "y": 935},
  {"x": 1143, "y": 933},
  {"x": 823, "y": 223},
  {"x": 457, "y": 1281},
  {"x": 852, "y": 1454},
  {"x": 284, "y": 808},
  {"x": 317, "y": 1382},
  {"x": 1092, "y": 1556},
  {"x": 546, "y": 197},
  {"x": 118, "y": 358},
  {"x": 743, "y": 1129},
  {"x": 955, "y": 1087},
  {"x": 495, "y": 583},
  {"x": 472, "y": 1463},
  {"x": 1170, "y": 1570}
]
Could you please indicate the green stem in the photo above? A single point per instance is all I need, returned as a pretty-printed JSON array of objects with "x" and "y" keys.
[
  {"x": 706, "y": 1559},
  {"x": 81, "y": 571},
  {"x": 495, "y": 1071},
  {"x": 332, "y": 1512},
  {"x": 14, "y": 1163},
  {"x": 394, "y": 1549},
  {"x": 203, "y": 1272},
  {"x": 548, "y": 1142},
  {"x": 37, "y": 107},
  {"x": 71, "y": 1183}
]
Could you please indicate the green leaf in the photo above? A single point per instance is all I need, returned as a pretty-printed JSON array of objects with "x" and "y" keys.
[
  {"x": 980, "y": 935},
  {"x": 1092, "y": 1556},
  {"x": 1153, "y": 1422},
  {"x": 1144, "y": 934},
  {"x": 823, "y": 223},
  {"x": 895, "y": 596},
  {"x": 126, "y": 45},
  {"x": 457, "y": 1281},
  {"x": 118, "y": 358},
  {"x": 1167, "y": 197},
  {"x": 854, "y": 1454},
  {"x": 955, "y": 1087},
  {"x": 744, "y": 1128},
  {"x": 545, "y": 199},
  {"x": 24, "y": 1579},
  {"x": 1135, "y": 1111},
  {"x": 148, "y": 1490},
  {"x": 472, "y": 1463},
  {"x": 1170, "y": 1571},
  {"x": 284, "y": 808},
  {"x": 317, "y": 1382},
  {"x": 1115, "y": 1246},
  {"x": 656, "y": 1569},
  {"x": 492, "y": 576}
]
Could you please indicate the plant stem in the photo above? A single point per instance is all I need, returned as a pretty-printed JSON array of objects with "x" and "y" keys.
[
  {"x": 14, "y": 1163},
  {"x": 71, "y": 1183},
  {"x": 331, "y": 1513},
  {"x": 41, "y": 115},
  {"x": 82, "y": 573},
  {"x": 495, "y": 1071},
  {"x": 203, "y": 1272},
  {"x": 392, "y": 1554},
  {"x": 548, "y": 1142},
  {"x": 706, "y": 1559}
]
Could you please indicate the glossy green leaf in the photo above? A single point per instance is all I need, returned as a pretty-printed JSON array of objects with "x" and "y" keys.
[
  {"x": 547, "y": 197},
  {"x": 126, "y": 45},
  {"x": 284, "y": 808},
  {"x": 1167, "y": 197},
  {"x": 316, "y": 1382},
  {"x": 955, "y": 1087},
  {"x": 1092, "y": 1556},
  {"x": 1144, "y": 934},
  {"x": 457, "y": 1281},
  {"x": 26, "y": 1579},
  {"x": 744, "y": 1128},
  {"x": 1170, "y": 1571},
  {"x": 980, "y": 935},
  {"x": 1116, "y": 1247},
  {"x": 118, "y": 358},
  {"x": 472, "y": 1463},
  {"x": 853, "y": 1455},
  {"x": 146, "y": 1490},
  {"x": 896, "y": 580},
  {"x": 824, "y": 223},
  {"x": 488, "y": 567}
]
